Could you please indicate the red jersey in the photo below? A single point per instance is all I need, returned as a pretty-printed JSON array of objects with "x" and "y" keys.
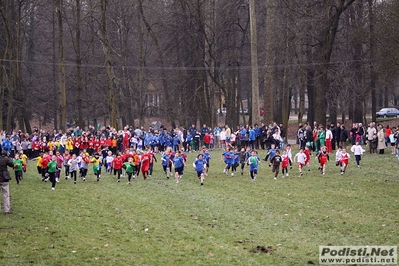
[
  {"x": 145, "y": 161},
  {"x": 35, "y": 145},
  {"x": 44, "y": 162},
  {"x": 125, "y": 157},
  {"x": 43, "y": 146},
  {"x": 108, "y": 142},
  {"x": 323, "y": 157},
  {"x": 344, "y": 158},
  {"x": 67, "y": 157},
  {"x": 117, "y": 163},
  {"x": 97, "y": 145},
  {"x": 91, "y": 144},
  {"x": 285, "y": 161},
  {"x": 84, "y": 144},
  {"x": 76, "y": 143},
  {"x": 152, "y": 157},
  {"x": 85, "y": 159}
]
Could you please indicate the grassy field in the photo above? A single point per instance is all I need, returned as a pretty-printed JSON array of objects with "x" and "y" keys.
[{"x": 228, "y": 221}]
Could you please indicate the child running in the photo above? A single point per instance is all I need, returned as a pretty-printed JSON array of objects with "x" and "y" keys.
[
  {"x": 285, "y": 161},
  {"x": 207, "y": 158},
  {"x": 344, "y": 161},
  {"x": 165, "y": 160},
  {"x": 243, "y": 158},
  {"x": 323, "y": 157},
  {"x": 358, "y": 152},
  {"x": 228, "y": 159},
  {"x": 199, "y": 166},
  {"x": 253, "y": 162},
  {"x": 276, "y": 161},
  {"x": 300, "y": 157},
  {"x": 73, "y": 167},
  {"x": 178, "y": 165},
  {"x": 96, "y": 161},
  {"x": 51, "y": 169},
  {"x": 338, "y": 155},
  {"x": 129, "y": 167},
  {"x": 270, "y": 154},
  {"x": 18, "y": 168}
]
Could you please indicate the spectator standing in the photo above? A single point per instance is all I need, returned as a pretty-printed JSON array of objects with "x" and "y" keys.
[{"x": 5, "y": 188}]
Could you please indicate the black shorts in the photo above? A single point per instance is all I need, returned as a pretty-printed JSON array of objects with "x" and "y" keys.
[
  {"x": 179, "y": 170},
  {"x": 200, "y": 173}
]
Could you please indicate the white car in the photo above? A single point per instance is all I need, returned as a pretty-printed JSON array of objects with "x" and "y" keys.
[{"x": 223, "y": 111}]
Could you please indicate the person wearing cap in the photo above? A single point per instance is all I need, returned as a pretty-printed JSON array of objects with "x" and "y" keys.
[{"x": 4, "y": 162}]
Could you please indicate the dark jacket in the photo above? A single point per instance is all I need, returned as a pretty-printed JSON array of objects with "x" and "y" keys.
[
  {"x": 343, "y": 135},
  {"x": 4, "y": 162}
]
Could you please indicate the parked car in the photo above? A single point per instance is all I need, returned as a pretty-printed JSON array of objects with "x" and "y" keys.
[
  {"x": 244, "y": 111},
  {"x": 388, "y": 112},
  {"x": 223, "y": 111}
]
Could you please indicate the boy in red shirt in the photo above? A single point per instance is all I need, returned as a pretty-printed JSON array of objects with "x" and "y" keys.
[{"x": 117, "y": 166}]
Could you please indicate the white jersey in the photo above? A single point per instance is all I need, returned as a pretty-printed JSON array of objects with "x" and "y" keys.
[
  {"x": 338, "y": 155},
  {"x": 329, "y": 134},
  {"x": 222, "y": 135},
  {"x": 300, "y": 157},
  {"x": 357, "y": 150},
  {"x": 233, "y": 137},
  {"x": 109, "y": 159},
  {"x": 289, "y": 153}
]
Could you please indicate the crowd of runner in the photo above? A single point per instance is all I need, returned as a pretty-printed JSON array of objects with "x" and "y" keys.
[{"x": 132, "y": 151}]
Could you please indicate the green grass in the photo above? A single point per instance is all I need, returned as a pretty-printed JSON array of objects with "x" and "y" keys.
[{"x": 220, "y": 223}]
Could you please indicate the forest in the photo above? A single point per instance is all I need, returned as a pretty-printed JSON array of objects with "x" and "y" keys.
[{"x": 118, "y": 63}]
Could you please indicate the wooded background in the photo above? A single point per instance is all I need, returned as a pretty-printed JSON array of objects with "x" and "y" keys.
[{"x": 111, "y": 62}]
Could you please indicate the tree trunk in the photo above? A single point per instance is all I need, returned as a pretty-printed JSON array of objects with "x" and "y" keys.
[
  {"x": 326, "y": 43},
  {"x": 254, "y": 64},
  {"x": 61, "y": 62},
  {"x": 373, "y": 76},
  {"x": 268, "y": 95},
  {"x": 108, "y": 65},
  {"x": 79, "y": 99}
]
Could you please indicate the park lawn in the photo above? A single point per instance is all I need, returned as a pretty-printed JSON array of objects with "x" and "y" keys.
[{"x": 228, "y": 221}]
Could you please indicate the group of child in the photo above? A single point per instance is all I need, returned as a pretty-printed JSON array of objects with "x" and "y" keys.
[
  {"x": 50, "y": 165},
  {"x": 233, "y": 158}
]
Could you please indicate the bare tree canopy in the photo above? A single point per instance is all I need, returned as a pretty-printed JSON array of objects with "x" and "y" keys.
[{"x": 111, "y": 62}]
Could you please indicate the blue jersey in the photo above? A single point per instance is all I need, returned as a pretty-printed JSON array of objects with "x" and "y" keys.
[
  {"x": 243, "y": 134},
  {"x": 236, "y": 158},
  {"x": 272, "y": 153},
  {"x": 226, "y": 157},
  {"x": 199, "y": 165},
  {"x": 176, "y": 141},
  {"x": 165, "y": 159},
  {"x": 178, "y": 162},
  {"x": 207, "y": 157},
  {"x": 252, "y": 134}
]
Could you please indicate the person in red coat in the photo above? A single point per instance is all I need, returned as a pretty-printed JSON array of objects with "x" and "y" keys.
[{"x": 207, "y": 140}]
